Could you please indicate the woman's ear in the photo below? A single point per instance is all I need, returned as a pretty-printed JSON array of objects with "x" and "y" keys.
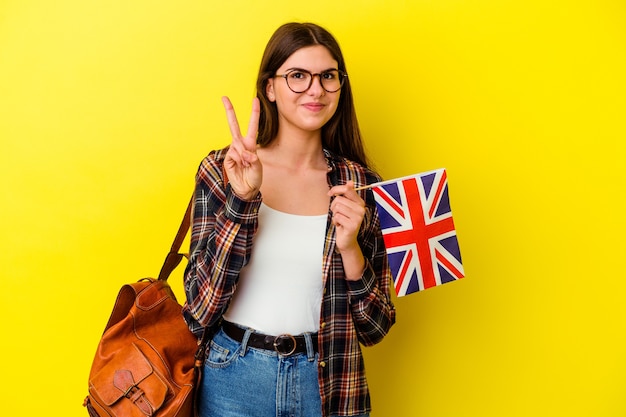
[{"x": 269, "y": 90}]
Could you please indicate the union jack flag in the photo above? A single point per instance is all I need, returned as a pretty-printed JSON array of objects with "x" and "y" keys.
[{"x": 419, "y": 234}]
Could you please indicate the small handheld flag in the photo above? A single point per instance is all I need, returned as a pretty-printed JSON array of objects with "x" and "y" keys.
[{"x": 418, "y": 230}]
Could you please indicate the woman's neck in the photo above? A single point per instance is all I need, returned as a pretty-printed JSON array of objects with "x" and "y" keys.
[{"x": 296, "y": 151}]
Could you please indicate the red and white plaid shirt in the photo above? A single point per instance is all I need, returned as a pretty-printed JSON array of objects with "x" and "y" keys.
[{"x": 352, "y": 313}]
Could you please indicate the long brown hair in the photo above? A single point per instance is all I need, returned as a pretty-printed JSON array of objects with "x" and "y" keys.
[{"x": 341, "y": 134}]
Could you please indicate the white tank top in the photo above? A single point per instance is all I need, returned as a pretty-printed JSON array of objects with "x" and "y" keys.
[{"x": 280, "y": 290}]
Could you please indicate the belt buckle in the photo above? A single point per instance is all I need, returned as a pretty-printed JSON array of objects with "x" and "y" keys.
[{"x": 279, "y": 342}]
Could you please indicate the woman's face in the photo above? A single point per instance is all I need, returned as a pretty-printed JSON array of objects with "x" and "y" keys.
[{"x": 310, "y": 110}]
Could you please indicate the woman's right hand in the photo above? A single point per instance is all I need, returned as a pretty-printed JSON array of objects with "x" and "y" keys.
[{"x": 242, "y": 164}]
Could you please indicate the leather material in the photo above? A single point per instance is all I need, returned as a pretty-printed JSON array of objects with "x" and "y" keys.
[
  {"x": 148, "y": 363},
  {"x": 285, "y": 345},
  {"x": 145, "y": 362}
]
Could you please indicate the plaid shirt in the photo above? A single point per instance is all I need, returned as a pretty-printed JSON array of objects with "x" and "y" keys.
[{"x": 352, "y": 313}]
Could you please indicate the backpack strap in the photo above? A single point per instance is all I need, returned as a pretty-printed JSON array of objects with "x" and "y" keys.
[{"x": 174, "y": 257}]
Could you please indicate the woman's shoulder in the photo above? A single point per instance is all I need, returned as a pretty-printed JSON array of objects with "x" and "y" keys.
[
  {"x": 212, "y": 164},
  {"x": 215, "y": 156}
]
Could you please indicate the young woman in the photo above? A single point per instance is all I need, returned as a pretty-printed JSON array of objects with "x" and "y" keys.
[{"x": 287, "y": 260}]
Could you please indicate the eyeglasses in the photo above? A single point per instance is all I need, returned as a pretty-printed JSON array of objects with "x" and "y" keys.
[{"x": 299, "y": 80}]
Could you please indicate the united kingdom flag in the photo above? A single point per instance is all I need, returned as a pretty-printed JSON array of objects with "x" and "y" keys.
[{"x": 418, "y": 230}]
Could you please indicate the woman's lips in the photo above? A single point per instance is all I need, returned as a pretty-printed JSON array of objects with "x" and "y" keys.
[{"x": 315, "y": 107}]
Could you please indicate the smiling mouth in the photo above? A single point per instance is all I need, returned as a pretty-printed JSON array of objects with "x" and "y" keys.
[{"x": 314, "y": 106}]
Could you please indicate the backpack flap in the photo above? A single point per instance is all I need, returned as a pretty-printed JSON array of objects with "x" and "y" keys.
[{"x": 129, "y": 384}]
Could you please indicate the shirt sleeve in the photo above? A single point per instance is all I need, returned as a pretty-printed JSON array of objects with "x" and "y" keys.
[
  {"x": 223, "y": 226},
  {"x": 370, "y": 300}
]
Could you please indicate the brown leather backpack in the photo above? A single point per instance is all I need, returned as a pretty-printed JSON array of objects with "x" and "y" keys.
[{"x": 148, "y": 361}]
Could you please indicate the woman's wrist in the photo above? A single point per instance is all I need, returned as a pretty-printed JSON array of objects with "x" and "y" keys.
[
  {"x": 249, "y": 196},
  {"x": 353, "y": 263}
]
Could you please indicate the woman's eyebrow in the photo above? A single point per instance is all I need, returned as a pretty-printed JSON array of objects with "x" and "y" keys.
[{"x": 302, "y": 69}]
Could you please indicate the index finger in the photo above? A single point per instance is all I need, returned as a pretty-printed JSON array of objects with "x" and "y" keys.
[
  {"x": 233, "y": 124},
  {"x": 342, "y": 189}
]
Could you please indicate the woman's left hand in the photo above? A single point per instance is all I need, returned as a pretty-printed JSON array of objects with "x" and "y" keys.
[{"x": 348, "y": 209}]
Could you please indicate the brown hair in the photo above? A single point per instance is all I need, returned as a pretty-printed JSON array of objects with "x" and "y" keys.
[{"x": 341, "y": 134}]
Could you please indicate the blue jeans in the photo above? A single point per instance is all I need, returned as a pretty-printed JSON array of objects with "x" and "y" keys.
[{"x": 241, "y": 381}]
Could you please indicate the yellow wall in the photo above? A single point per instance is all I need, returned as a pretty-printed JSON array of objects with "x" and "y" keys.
[{"x": 107, "y": 107}]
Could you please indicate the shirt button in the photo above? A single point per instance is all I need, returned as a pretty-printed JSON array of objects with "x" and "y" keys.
[
  {"x": 323, "y": 325},
  {"x": 323, "y": 364}
]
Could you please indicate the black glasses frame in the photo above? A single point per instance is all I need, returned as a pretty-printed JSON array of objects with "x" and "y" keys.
[{"x": 342, "y": 78}]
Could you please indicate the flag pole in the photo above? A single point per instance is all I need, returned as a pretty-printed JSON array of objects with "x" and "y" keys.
[{"x": 365, "y": 187}]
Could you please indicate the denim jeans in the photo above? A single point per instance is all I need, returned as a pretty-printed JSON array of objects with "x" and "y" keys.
[{"x": 242, "y": 381}]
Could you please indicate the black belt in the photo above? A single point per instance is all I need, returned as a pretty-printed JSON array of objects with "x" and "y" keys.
[{"x": 284, "y": 344}]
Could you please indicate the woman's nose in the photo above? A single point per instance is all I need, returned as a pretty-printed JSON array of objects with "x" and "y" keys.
[{"x": 316, "y": 88}]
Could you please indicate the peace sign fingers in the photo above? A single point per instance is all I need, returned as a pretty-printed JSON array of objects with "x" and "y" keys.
[
  {"x": 249, "y": 141},
  {"x": 242, "y": 164}
]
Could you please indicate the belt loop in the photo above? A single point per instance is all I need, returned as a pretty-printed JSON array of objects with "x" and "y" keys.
[
  {"x": 310, "y": 349},
  {"x": 244, "y": 341}
]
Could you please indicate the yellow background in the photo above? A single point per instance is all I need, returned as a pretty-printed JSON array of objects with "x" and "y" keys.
[{"x": 107, "y": 107}]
